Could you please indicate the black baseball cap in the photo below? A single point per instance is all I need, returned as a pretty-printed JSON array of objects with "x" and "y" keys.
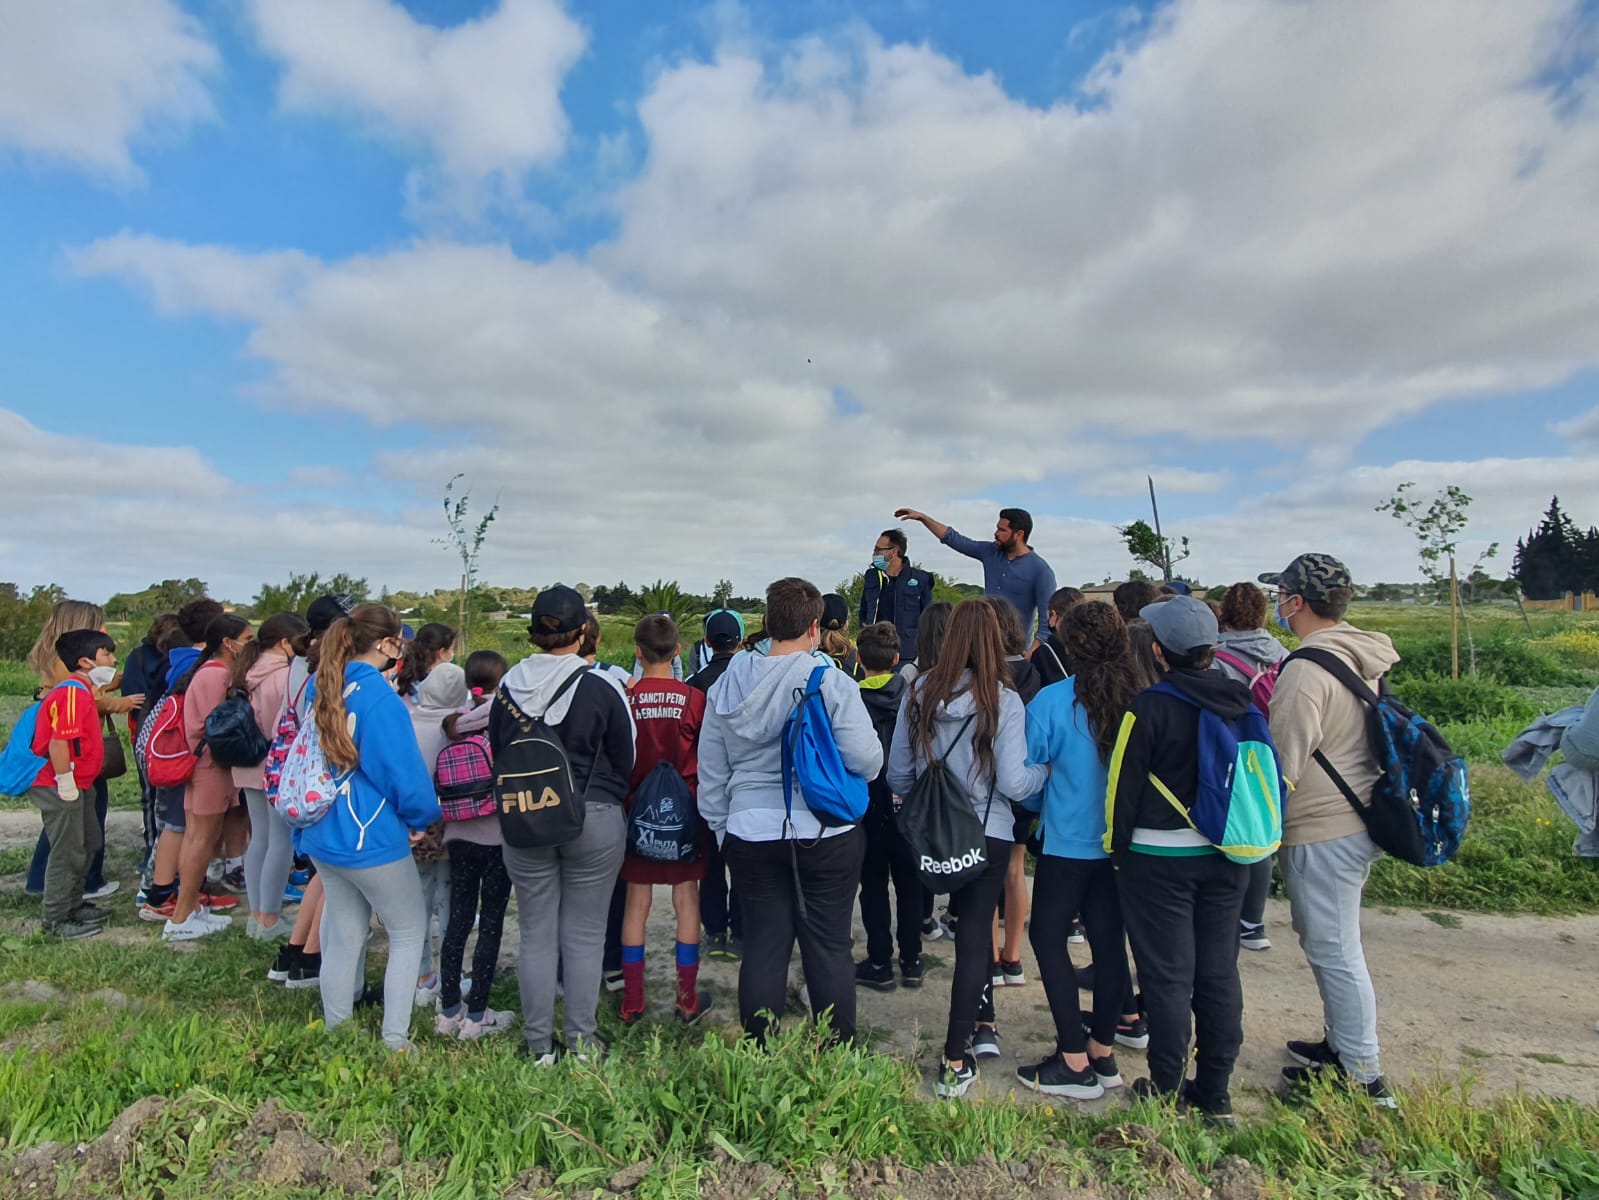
[
  {"x": 835, "y": 611},
  {"x": 1311, "y": 576},
  {"x": 559, "y": 609},
  {"x": 724, "y": 629},
  {"x": 327, "y": 609}
]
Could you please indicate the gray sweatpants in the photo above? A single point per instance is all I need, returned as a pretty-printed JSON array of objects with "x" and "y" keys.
[
  {"x": 351, "y": 895},
  {"x": 269, "y": 856},
  {"x": 1325, "y": 881},
  {"x": 435, "y": 877},
  {"x": 563, "y": 896}
]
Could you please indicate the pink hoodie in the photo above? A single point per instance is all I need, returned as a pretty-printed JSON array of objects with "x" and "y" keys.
[{"x": 267, "y": 681}]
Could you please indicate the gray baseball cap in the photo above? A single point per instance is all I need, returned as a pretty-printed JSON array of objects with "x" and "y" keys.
[
  {"x": 1311, "y": 576},
  {"x": 1182, "y": 623}
]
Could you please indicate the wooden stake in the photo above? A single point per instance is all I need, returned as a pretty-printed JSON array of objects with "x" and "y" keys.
[{"x": 1454, "y": 621}]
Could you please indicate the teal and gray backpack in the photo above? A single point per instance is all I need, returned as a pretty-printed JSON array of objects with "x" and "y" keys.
[{"x": 1239, "y": 804}]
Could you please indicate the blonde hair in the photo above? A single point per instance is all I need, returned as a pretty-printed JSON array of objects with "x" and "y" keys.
[
  {"x": 836, "y": 644},
  {"x": 347, "y": 638},
  {"x": 65, "y": 617}
]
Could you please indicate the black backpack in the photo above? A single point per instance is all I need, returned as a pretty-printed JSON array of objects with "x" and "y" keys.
[
  {"x": 947, "y": 841},
  {"x": 232, "y": 733},
  {"x": 663, "y": 826},
  {"x": 540, "y": 805}
]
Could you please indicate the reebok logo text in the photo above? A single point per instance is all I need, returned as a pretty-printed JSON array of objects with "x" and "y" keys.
[{"x": 950, "y": 866}]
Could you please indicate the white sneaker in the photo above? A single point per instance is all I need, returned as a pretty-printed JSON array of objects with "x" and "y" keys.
[
  {"x": 108, "y": 888},
  {"x": 217, "y": 921},
  {"x": 427, "y": 994},
  {"x": 494, "y": 1021},
  {"x": 547, "y": 1059},
  {"x": 198, "y": 925}
]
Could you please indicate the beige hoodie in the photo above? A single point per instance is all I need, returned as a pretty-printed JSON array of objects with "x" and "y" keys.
[{"x": 1310, "y": 711}]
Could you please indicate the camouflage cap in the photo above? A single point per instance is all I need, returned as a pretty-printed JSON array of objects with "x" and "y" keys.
[{"x": 1311, "y": 576}]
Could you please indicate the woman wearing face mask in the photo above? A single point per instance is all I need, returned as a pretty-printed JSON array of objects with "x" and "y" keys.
[
  {"x": 210, "y": 793},
  {"x": 362, "y": 847},
  {"x": 262, "y": 670},
  {"x": 65, "y": 617}
]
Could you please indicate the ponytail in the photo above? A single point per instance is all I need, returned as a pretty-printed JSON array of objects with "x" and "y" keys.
[
  {"x": 273, "y": 630},
  {"x": 221, "y": 628},
  {"x": 430, "y": 641},
  {"x": 346, "y": 639}
]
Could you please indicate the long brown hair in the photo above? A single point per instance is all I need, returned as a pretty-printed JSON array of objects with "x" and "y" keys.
[
  {"x": 972, "y": 642},
  {"x": 223, "y": 627},
  {"x": 66, "y": 616},
  {"x": 1095, "y": 637},
  {"x": 347, "y": 638},
  {"x": 1142, "y": 638},
  {"x": 273, "y": 630}
]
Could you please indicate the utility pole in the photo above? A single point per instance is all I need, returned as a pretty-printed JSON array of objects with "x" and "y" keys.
[{"x": 1165, "y": 548}]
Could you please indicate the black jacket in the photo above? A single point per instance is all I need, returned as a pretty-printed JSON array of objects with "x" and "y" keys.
[
  {"x": 1160, "y": 736},
  {"x": 711, "y": 671},
  {"x": 596, "y": 733},
  {"x": 1051, "y": 660},
  {"x": 1026, "y": 679},
  {"x": 882, "y": 705},
  {"x": 913, "y": 595}
]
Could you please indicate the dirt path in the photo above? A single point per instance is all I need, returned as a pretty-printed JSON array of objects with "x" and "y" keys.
[{"x": 1511, "y": 1000}]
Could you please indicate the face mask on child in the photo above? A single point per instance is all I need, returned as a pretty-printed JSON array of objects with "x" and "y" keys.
[
  {"x": 102, "y": 676},
  {"x": 1282, "y": 622}
]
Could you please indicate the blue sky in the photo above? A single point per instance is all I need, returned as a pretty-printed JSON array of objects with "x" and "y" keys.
[{"x": 706, "y": 291}]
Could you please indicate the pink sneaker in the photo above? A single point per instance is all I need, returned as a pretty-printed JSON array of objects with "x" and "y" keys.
[{"x": 494, "y": 1021}]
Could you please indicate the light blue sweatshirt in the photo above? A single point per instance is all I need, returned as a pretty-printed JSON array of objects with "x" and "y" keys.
[
  {"x": 391, "y": 793},
  {"x": 1014, "y": 777},
  {"x": 740, "y": 754},
  {"x": 1072, "y": 804}
]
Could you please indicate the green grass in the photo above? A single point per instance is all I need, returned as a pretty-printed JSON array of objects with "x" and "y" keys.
[{"x": 466, "y": 1120}]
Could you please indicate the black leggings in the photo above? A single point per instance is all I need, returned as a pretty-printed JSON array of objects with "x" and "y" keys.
[
  {"x": 479, "y": 887},
  {"x": 971, "y": 997},
  {"x": 1062, "y": 888}
]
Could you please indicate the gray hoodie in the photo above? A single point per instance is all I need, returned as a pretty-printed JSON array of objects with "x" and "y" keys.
[
  {"x": 741, "y": 754},
  {"x": 1015, "y": 779},
  {"x": 1255, "y": 646}
]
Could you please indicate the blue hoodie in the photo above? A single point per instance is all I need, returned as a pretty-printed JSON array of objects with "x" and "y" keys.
[
  {"x": 179, "y": 661},
  {"x": 392, "y": 789},
  {"x": 1073, "y": 801}
]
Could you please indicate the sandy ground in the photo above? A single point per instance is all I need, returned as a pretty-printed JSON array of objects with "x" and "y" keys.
[{"x": 1511, "y": 1001}]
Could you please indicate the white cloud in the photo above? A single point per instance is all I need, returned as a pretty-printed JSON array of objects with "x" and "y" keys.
[
  {"x": 483, "y": 96},
  {"x": 1277, "y": 223},
  {"x": 82, "y": 79}
]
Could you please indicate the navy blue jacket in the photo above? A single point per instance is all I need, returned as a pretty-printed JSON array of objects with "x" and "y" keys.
[{"x": 912, "y": 595}]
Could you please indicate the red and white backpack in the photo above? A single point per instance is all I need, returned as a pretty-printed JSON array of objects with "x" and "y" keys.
[{"x": 283, "y": 740}]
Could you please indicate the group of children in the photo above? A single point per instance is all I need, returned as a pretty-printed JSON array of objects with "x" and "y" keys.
[{"x": 1063, "y": 747}]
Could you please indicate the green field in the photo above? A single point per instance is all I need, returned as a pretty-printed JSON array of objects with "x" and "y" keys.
[{"x": 180, "y": 1075}]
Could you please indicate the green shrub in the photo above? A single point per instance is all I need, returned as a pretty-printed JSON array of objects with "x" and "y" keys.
[
  {"x": 1456, "y": 701},
  {"x": 1504, "y": 656}
]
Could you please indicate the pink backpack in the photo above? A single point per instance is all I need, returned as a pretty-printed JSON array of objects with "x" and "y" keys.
[
  {"x": 1262, "y": 681},
  {"x": 282, "y": 742},
  {"x": 464, "y": 777}
]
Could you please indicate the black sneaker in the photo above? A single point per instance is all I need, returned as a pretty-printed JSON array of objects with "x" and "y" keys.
[
  {"x": 910, "y": 973},
  {"x": 288, "y": 958},
  {"x": 1216, "y": 1111},
  {"x": 703, "y": 1002},
  {"x": 1301, "y": 1080},
  {"x": 1253, "y": 937},
  {"x": 931, "y": 930},
  {"x": 1145, "y": 1089},
  {"x": 1133, "y": 1034},
  {"x": 953, "y": 1081},
  {"x": 996, "y": 974},
  {"x": 613, "y": 981},
  {"x": 71, "y": 931},
  {"x": 714, "y": 945},
  {"x": 1053, "y": 1077},
  {"x": 1011, "y": 973},
  {"x": 234, "y": 881},
  {"x": 1312, "y": 1054},
  {"x": 985, "y": 1042},
  {"x": 1078, "y": 935},
  {"x": 371, "y": 997},
  {"x": 1105, "y": 1068},
  {"x": 90, "y": 914},
  {"x": 735, "y": 948},
  {"x": 877, "y": 976},
  {"x": 304, "y": 975}
]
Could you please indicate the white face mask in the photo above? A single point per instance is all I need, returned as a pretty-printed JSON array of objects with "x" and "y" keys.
[{"x": 102, "y": 676}]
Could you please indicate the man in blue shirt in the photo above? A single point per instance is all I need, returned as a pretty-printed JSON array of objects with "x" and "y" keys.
[{"x": 1011, "y": 568}]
